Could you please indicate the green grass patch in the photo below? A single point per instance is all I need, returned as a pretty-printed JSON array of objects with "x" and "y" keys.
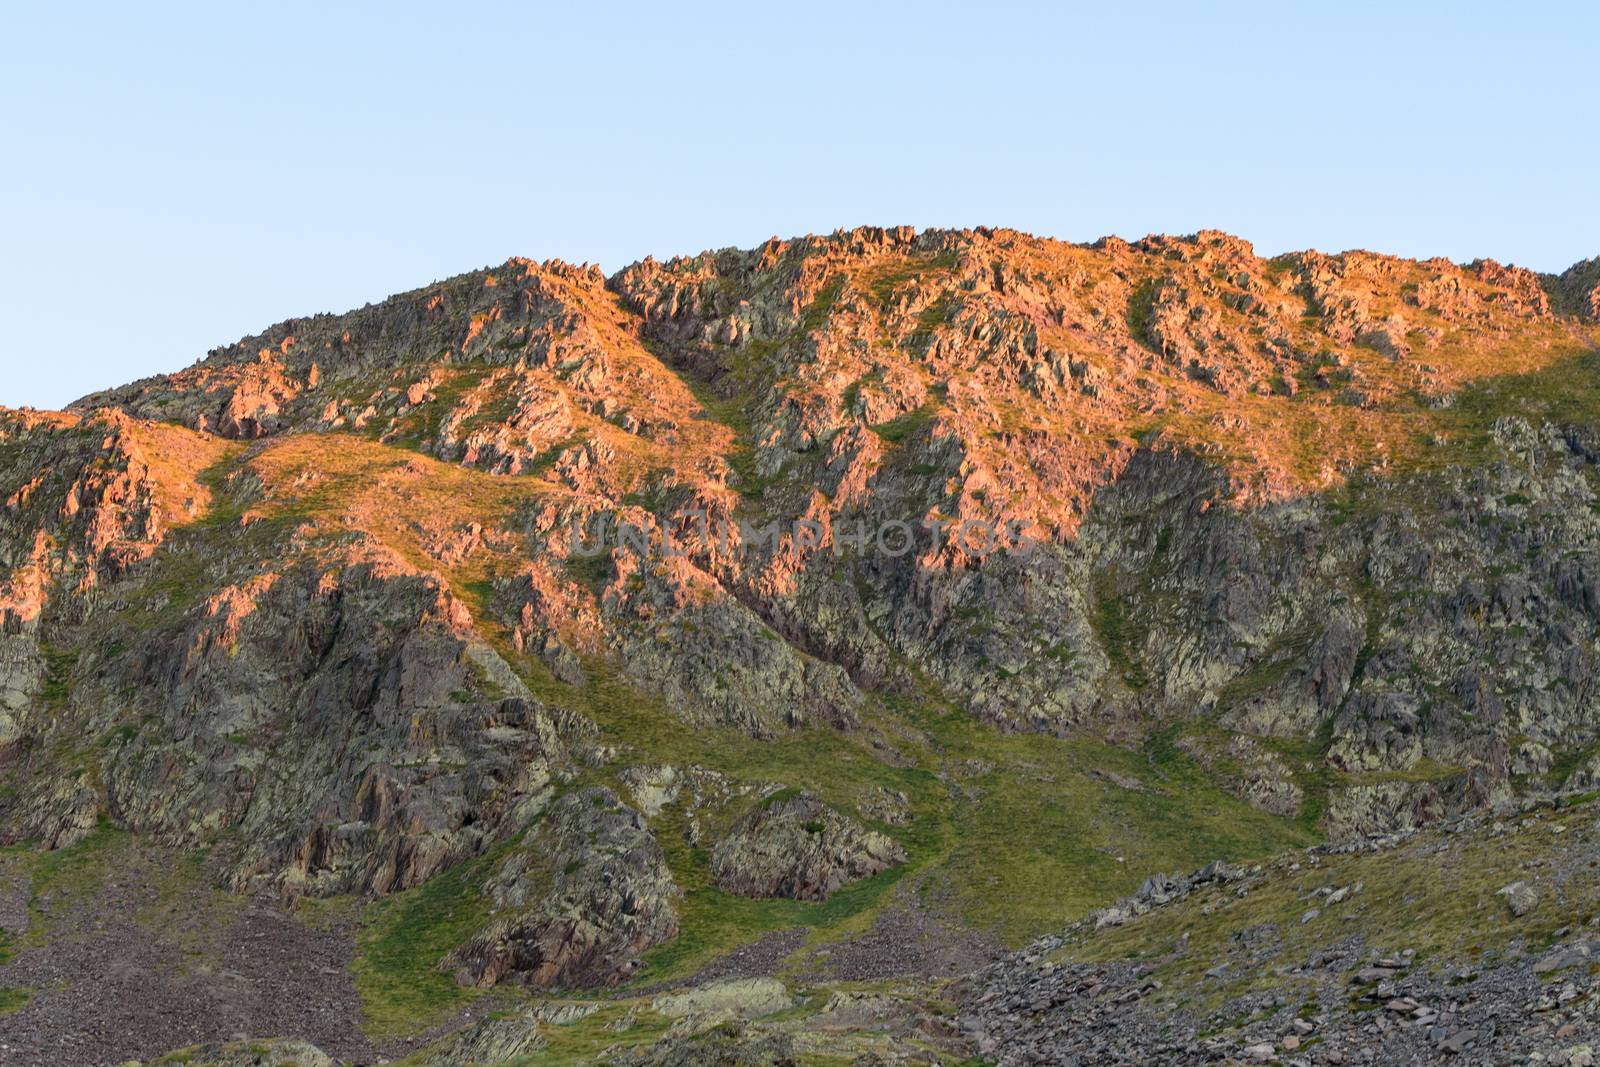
[
  {"x": 1122, "y": 637},
  {"x": 713, "y": 923},
  {"x": 59, "y": 663},
  {"x": 841, "y": 768},
  {"x": 1047, "y": 839},
  {"x": 397, "y": 969},
  {"x": 66, "y": 877},
  {"x": 1141, "y": 311},
  {"x": 903, "y": 428}
]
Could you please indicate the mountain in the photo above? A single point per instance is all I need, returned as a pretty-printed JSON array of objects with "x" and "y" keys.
[{"x": 540, "y": 666}]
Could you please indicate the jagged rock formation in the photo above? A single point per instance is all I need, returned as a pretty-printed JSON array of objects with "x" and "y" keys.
[
  {"x": 578, "y": 902},
  {"x": 453, "y": 750},
  {"x": 366, "y": 598}
]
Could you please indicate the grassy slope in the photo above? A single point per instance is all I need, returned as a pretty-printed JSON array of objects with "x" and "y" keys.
[{"x": 1436, "y": 895}]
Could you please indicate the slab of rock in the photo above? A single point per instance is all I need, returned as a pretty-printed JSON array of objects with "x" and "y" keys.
[
  {"x": 492, "y": 1040},
  {"x": 735, "y": 998}
]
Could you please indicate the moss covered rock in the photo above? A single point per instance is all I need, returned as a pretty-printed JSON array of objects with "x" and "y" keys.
[{"x": 794, "y": 845}]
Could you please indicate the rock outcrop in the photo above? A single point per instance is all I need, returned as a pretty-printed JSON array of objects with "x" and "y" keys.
[
  {"x": 577, "y": 902},
  {"x": 793, "y": 845}
]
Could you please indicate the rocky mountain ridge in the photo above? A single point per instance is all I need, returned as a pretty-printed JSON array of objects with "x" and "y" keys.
[{"x": 1313, "y": 551}]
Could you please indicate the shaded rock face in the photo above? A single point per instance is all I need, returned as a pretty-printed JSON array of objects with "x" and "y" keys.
[
  {"x": 1578, "y": 288},
  {"x": 290, "y": 667},
  {"x": 723, "y": 661},
  {"x": 88, "y": 500},
  {"x": 322, "y": 701},
  {"x": 796, "y": 846},
  {"x": 577, "y": 901}
]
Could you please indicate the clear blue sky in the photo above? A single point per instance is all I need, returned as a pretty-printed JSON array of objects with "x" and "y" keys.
[{"x": 173, "y": 177}]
